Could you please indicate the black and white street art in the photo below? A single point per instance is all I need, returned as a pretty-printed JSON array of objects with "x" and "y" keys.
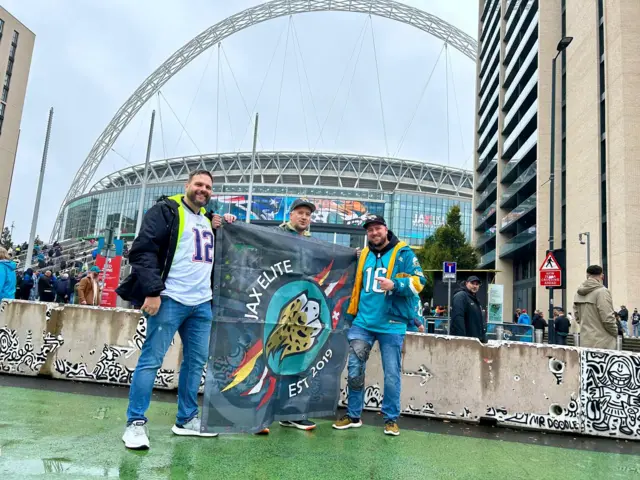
[
  {"x": 24, "y": 359},
  {"x": 610, "y": 393},
  {"x": 108, "y": 368},
  {"x": 372, "y": 396}
]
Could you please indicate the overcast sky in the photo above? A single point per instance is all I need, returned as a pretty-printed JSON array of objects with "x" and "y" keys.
[{"x": 91, "y": 55}]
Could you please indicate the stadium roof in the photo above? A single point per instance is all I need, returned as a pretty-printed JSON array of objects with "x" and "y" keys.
[{"x": 337, "y": 170}]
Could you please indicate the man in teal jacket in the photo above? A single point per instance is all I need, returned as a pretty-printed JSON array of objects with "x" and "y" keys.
[{"x": 388, "y": 279}]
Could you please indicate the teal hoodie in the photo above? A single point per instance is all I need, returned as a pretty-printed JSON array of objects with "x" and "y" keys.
[{"x": 7, "y": 279}]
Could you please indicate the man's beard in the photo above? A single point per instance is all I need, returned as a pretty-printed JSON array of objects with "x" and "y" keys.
[{"x": 192, "y": 196}]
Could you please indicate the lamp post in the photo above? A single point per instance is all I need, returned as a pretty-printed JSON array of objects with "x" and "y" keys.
[
  {"x": 588, "y": 243},
  {"x": 562, "y": 45}
]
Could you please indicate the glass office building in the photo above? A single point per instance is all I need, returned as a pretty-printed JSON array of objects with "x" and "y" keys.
[{"x": 343, "y": 188}]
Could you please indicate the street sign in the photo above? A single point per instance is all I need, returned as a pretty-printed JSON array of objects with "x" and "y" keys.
[
  {"x": 449, "y": 271},
  {"x": 550, "y": 272}
]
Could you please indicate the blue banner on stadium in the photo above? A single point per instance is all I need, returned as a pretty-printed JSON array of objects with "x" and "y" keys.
[{"x": 278, "y": 344}]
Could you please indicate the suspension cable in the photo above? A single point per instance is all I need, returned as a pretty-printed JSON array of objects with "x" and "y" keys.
[
  {"x": 218, "y": 103},
  {"x": 455, "y": 98},
  {"x": 304, "y": 110},
  {"x": 446, "y": 81},
  {"x": 361, "y": 34},
  {"x": 284, "y": 64},
  {"x": 226, "y": 102},
  {"x": 404, "y": 134},
  {"x": 164, "y": 147},
  {"x": 375, "y": 56},
  {"x": 264, "y": 79},
  {"x": 233, "y": 75},
  {"x": 178, "y": 119},
  {"x": 346, "y": 102},
  {"x": 204, "y": 72},
  {"x": 304, "y": 69}
]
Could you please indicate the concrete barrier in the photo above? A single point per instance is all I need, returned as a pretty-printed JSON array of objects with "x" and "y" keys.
[
  {"x": 103, "y": 345},
  {"x": 550, "y": 388}
]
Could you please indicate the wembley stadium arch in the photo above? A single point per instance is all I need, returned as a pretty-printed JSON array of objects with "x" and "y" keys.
[
  {"x": 414, "y": 197},
  {"x": 276, "y": 8}
]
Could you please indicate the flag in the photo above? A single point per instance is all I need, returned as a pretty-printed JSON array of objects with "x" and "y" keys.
[{"x": 278, "y": 344}]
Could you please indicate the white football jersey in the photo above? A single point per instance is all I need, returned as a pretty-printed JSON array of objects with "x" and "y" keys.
[{"x": 189, "y": 279}]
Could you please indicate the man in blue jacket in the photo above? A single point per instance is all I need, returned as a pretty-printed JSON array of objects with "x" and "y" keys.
[
  {"x": 172, "y": 278},
  {"x": 388, "y": 280}
]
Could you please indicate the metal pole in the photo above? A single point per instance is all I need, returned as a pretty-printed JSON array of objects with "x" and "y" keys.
[
  {"x": 36, "y": 208},
  {"x": 449, "y": 306},
  {"x": 253, "y": 161},
  {"x": 588, "y": 249},
  {"x": 552, "y": 166},
  {"x": 143, "y": 190},
  {"x": 126, "y": 197}
]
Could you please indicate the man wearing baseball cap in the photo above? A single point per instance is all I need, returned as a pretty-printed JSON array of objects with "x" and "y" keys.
[
  {"x": 388, "y": 280},
  {"x": 299, "y": 217},
  {"x": 89, "y": 292},
  {"x": 466, "y": 313}
]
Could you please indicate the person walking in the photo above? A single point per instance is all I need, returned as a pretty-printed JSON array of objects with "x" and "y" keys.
[
  {"x": 45, "y": 287},
  {"x": 624, "y": 319},
  {"x": 89, "y": 291},
  {"x": 635, "y": 322},
  {"x": 539, "y": 323},
  {"x": 593, "y": 310},
  {"x": 172, "y": 278},
  {"x": 466, "y": 312},
  {"x": 561, "y": 325},
  {"x": 7, "y": 276},
  {"x": 63, "y": 289},
  {"x": 26, "y": 285},
  {"x": 388, "y": 278}
]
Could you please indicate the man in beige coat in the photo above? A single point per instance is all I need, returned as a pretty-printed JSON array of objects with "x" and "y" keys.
[{"x": 593, "y": 310}]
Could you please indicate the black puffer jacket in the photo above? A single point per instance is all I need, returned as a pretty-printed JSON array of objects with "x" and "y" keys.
[
  {"x": 466, "y": 316},
  {"x": 152, "y": 251}
]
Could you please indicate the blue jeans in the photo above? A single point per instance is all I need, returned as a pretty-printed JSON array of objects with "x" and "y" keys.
[
  {"x": 625, "y": 328},
  {"x": 636, "y": 329},
  {"x": 194, "y": 326},
  {"x": 360, "y": 343}
]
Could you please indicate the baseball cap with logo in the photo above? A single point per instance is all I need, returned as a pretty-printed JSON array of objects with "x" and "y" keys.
[
  {"x": 372, "y": 219},
  {"x": 302, "y": 202}
]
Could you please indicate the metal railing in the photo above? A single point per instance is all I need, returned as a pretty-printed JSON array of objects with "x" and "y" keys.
[{"x": 512, "y": 332}]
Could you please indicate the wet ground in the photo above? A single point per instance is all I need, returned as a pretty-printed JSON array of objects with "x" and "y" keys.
[{"x": 58, "y": 429}]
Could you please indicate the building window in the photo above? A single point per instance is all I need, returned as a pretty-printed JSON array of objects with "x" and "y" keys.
[
  {"x": 1, "y": 27},
  {"x": 5, "y": 94},
  {"x": 14, "y": 40}
]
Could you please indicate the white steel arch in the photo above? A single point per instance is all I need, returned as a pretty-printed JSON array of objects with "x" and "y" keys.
[{"x": 390, "y": 9}]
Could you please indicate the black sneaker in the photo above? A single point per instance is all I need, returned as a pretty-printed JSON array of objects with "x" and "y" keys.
[
  {"x": 299, "y": 424},
  {"x": 347, "y": 422}
]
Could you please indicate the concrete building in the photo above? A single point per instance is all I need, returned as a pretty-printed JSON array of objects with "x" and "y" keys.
[
  {"x": 16, "y": 48},
  {"x": 597, "y": 148}
]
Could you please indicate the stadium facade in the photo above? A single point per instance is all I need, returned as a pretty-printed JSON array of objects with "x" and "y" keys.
[{"x": 413, "y": 196}]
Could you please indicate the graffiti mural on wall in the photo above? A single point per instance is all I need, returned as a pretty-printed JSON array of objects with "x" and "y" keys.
[
  {"x": 15, "y": 358},
  {"x": 611, "y": 393},
  {"x": 372, "y": 396},
  {"x": 108, "y": 368},
  {"x": 559, "y": 418}
]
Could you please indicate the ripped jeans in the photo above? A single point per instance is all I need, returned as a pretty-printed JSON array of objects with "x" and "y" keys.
[{"x": 360, "y": 343}]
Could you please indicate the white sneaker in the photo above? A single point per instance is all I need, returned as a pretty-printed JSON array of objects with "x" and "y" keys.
[
  {"x": 136, "y": 436},
  {"x": 191, "y": 428}
]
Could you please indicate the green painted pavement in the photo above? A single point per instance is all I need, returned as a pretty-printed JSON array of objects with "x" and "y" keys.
[{"x": 61, "y": 435}]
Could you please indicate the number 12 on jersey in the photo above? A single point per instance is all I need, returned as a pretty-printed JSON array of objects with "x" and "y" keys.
[{"x": 203, "y": 248}]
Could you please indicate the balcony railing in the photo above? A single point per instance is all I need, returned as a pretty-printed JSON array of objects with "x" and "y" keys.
[
  {"x": 513, "y": 86},
  {"x": 484, "y": 112},
  {"x": 488, "y": 191},
  {"x": 487, "y": 171},
  {"x": 521, "y": 45},
  {"x": 484, "y": 216},
  {"x": 487, "y": 258},
  {"x": 520, "y": 154},
  {"x": 524, "y": 122},
  {"x": 512, "y": 189},
  {"x": 518, "y": 212},
  {"x": 486, "y": 236},
  {"x": 519, "y": 26},
  {"x": 521, "y": 96},
  {"x": 519, "y": 241}
]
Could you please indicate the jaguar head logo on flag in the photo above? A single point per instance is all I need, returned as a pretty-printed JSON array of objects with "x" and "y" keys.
[{"x": 297, "y": 325}]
